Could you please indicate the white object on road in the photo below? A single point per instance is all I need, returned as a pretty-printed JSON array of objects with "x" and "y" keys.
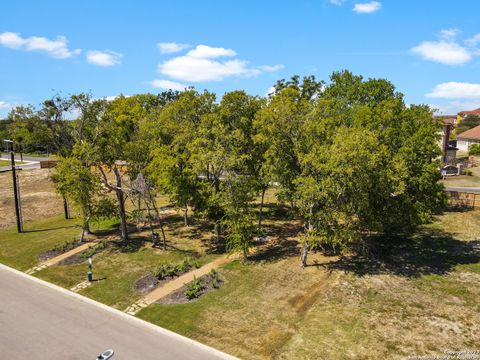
[{"x": 107, "y": 354}]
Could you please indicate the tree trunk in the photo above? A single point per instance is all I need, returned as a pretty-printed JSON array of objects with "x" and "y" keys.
[
  {"x": 85, "y": 228},
  {"x": 121, "y": 204},
  {"x": 185, "y": 215},
  {"x": 304, "y": 255},
  {"x": 217, "y": 231},
  {"x": 260, "y": 211},
  {"x": 160, "y": 221}
]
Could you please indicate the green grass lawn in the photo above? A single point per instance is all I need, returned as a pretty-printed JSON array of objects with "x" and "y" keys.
[
  {"x": 115, "y": 273},
  {"x": 419, "y": 299},
  {"x": 21, "y": 250},
  {"x": 8, "y": 163}
]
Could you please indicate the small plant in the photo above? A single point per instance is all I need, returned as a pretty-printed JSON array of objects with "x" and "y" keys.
[
  {"x": 166, "y": 270},
  {"x": 194, "y": 289},
  {"x": 69, "y": 245},
  {"x": 474, "y": 149},
  {"x": 215, "y": 279},
  {"x": 185, "y": 266},
  {"x": 196, "y": 263},
  {"x": 468, "y": 172},
  {"x": 94, "y": 249}
]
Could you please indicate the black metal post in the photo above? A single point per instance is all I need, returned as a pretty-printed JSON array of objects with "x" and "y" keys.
[
  {"x": 16, "y": 195},
  {"x": 65, "y": 208}
]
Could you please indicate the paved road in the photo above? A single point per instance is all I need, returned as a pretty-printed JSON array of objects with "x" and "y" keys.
[
  {"x": 475, "y": 190},
  {"x": 39, "y": 321},
  {"x": 31, "y": 162}
]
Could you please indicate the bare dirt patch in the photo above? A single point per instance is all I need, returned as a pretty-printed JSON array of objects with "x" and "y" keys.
[
  {"x": 38, "y": 197},
  {"x": 146, "y": 284}
]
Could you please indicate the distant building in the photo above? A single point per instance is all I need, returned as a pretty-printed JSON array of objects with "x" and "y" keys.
[
  {"x": 467, "y": 138},
  {"x": 463, "y": 114},
  {"x": 448, "y": 119}
]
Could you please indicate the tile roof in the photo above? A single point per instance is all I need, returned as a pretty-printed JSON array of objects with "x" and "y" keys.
[
  {"x": 471, "y": 112},
  {"x": 473, "y": 133}
]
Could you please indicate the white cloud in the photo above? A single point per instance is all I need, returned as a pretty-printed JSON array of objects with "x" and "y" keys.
[
  {"x": 337, "y": 2},
  {"x": 473, "y": 41},
  {"x": 208, "y": 52},
  {"x": 444, "y": 52},
  {"x": 104, "y": 58},
  {"x": 4, "y": 105},
  {"x": 449, "y": 33},
  {"x": 57, "y": 48},
  {"x": 167, "y": 84},
  {"x": 271, "y": 68},
  {"x": 205, "y": 63},
  {"x": 453, "y": 107},
  {"x": 367, "y": 8},
  {"x": 171, "y": 47},
  {"x": 270, "y": 91},
  {"x": 455, "y": 90}
]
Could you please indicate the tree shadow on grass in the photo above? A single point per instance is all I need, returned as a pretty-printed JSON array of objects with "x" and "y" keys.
[
  {"x": 52, "y": 229},
  {"x": 429, "y": 251}
]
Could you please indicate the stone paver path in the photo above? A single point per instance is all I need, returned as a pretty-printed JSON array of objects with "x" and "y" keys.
[
  {"x": 81, "y": 286},
  {"x": 177, "y": 283},
  {"x": 61, "y": 257}
]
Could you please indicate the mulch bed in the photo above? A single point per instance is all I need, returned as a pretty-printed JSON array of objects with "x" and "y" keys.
[
  {"x": 178, "y": 296},
  {"x": 146, "y": 284},
  {"x": 73, "y": 260},
  {"x": 55, "y": 252}
]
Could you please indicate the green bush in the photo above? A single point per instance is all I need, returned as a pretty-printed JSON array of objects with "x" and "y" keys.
[
  {"x": 474, "y": 149},
  {"x": 69, "y": 245},
  {"x": 94, "y": 249},
  {"x": 166, "y": 270},
  {"x": 214, "y": 278},
  {"x": 185, "y": 266},
  {"x": 171, "y": 270},
  {"x": 468, "y": 172},
  {"x": 194, "y": 289}
]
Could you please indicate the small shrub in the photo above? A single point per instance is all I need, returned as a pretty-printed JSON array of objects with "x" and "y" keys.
[
  {"x": 214, "y": 278},
  {"x": 196, "y": 263},
  {"x": 69, "y": 245},
  {"x": 194, "y": 289},
  {"x": 185, "y": 266},
  {"x": 468, "y": 172},
  {"x": 474, "y": 149},
  {"x": 166, "y": 270},
  {"x": 94, "y": 249}
]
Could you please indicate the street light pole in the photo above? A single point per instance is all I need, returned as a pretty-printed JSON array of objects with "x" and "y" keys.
[{"x": 16, "y": 190}]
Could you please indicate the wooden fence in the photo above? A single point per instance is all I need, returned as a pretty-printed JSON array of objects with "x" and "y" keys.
[{"x": 461, "y": 198}]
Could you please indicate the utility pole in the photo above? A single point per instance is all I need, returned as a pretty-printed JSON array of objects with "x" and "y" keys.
[{"x": 16, "y": 188}]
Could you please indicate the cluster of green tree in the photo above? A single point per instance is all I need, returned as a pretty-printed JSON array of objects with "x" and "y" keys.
[
  {"x": 468, "y": 123},
  {"x": 46, "y": 130},
  {"x": 349, "y": 157}
]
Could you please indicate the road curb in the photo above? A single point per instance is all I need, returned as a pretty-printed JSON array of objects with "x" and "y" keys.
[{"x": 120, "y": 313}]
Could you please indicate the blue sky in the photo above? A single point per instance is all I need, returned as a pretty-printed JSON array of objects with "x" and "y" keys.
[{"x": 428, "y": 49}]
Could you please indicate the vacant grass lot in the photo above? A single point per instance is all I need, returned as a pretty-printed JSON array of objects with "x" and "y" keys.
[{"x": 418, "y": 297}]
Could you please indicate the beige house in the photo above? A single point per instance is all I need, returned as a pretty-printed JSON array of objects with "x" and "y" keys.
[{"x": 467, "y": 138}]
